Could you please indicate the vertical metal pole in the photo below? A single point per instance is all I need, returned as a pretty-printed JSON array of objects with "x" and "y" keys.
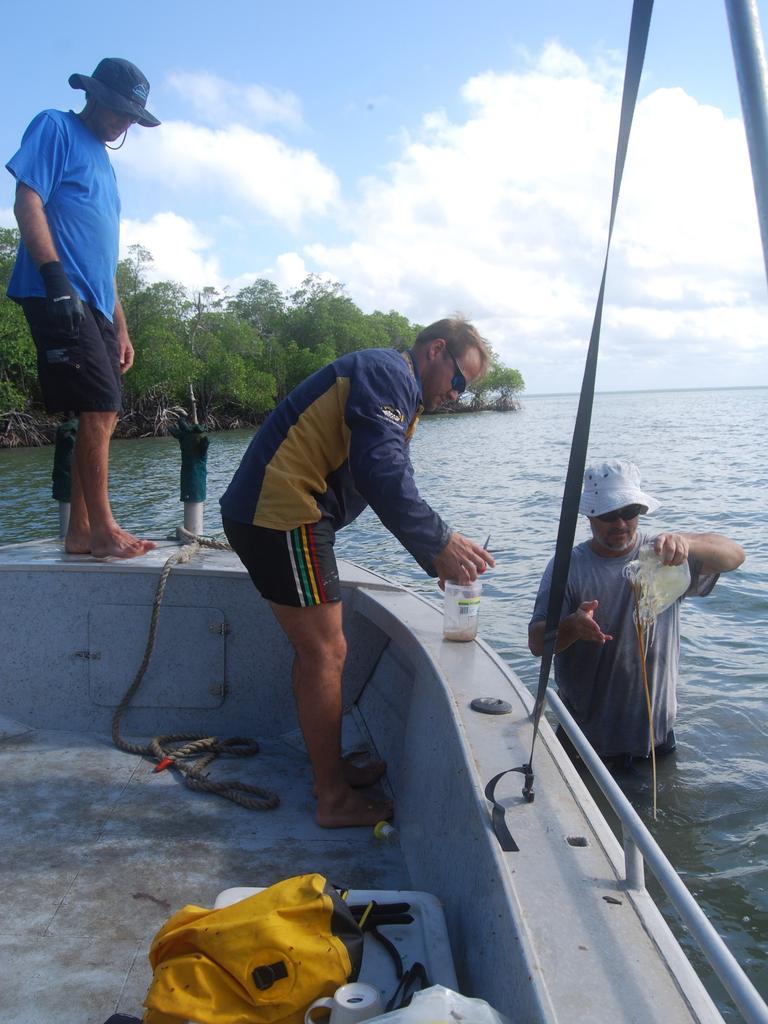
[
  {"x": 634, "y": 865},
  {"x": 749, "y": 56},
  {"x": 64, "y": 507},
  {"x": 193, "y": 516}
]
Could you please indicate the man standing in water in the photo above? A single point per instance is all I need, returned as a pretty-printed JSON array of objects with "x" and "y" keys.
[
  {"x": 68, "y": 211},
  {"x": 337, "y": 443},
  {"x": 597, "y": 662}
]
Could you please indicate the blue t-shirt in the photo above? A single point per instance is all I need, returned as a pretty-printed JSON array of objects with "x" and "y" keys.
[{"x": 70, "y": 170}]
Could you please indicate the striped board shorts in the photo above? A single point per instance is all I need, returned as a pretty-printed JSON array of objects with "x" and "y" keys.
[{"x": 291, "y": 567}]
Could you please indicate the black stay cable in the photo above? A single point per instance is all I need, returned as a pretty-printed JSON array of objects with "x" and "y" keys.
[{"x": 638, "y": 38}]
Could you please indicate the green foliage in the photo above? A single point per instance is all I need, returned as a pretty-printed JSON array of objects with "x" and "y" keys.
[
  {"x": 498, "y": 389},
  {"x": 240, "y": 354},
  {"x": 9, "y": 243},
  {"x": 261, "y": 305},
  {"x": 300, "y": 362},
  {"x": 18, "y": 360},
  {"x": 392, "y": 330},
  {"x": 319, "y": 314},
  {"x": 163, "y": 365}
]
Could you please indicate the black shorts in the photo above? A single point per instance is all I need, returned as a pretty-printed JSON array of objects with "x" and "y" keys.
[
  {"x": 77, "y": 373},
  {"x": 293, "y": 567}
]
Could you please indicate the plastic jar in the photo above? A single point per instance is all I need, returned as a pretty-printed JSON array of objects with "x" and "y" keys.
[{"x": 461, "y": 610}]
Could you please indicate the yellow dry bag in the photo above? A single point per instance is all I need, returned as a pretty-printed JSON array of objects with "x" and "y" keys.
[{"x": 260, "y": 961}]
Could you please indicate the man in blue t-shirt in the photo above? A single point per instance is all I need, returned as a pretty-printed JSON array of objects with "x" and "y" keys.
[
  {"x": 598, "y": 669},
  {"x": 68, "y": 210}
]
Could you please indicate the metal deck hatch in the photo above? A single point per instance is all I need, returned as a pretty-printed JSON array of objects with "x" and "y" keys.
[{"x": 190, "y": 645}]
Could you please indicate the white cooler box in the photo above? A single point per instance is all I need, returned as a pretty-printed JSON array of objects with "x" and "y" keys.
[{"x": 424, "y": 940}]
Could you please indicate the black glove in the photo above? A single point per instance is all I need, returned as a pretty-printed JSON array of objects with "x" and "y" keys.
[{"x": 62, "y": 301}]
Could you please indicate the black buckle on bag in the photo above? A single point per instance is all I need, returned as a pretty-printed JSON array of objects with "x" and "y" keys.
[{"x": 264, "y": 977}]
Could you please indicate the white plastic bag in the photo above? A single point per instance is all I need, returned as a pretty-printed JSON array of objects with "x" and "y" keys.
[
  {"x": 657, "y": 586},
  {"x": 439, "y": 1005}
]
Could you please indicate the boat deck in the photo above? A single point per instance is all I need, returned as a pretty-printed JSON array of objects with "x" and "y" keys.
[{"x": 98, "y": 851}]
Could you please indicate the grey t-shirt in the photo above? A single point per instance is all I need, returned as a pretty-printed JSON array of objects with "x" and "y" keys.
[{"x": 602, "y": 684}]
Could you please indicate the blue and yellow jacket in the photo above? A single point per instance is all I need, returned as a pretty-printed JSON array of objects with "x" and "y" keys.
[{"x": 337, "y": 443}]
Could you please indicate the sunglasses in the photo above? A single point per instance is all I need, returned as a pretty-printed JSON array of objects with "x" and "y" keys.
[
  {"x": 458, "y": 381},
  {"x": 626, "y": 513}
]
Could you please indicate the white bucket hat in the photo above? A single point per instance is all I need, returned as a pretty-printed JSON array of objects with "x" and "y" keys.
[{"x": 612, "y": 485}]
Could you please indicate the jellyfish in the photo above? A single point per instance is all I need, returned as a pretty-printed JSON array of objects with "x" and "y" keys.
[{"x": 656, "y": 586}]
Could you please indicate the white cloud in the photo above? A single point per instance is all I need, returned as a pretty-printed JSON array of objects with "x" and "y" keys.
[
  {"x": 504, "y": 215},
  {"x": 219, "y": 101},
  {"x": 7, "y": 218},
  {"x": 239, "y": 167},
  {"x": 179, "y": 251},
  {"x": 288, "y": 271}
]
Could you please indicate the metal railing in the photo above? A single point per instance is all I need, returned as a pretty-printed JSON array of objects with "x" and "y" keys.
[{"x": 640, "y": 848}]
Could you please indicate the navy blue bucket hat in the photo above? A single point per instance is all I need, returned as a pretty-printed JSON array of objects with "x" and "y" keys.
[{"x": 118, "y": 84}]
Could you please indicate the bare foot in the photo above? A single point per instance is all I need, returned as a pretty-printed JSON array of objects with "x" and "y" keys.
[
  {"x": 352, "y": 809},
  {"x": 360, "y": 776},
  {"x": 366, "y": 773},
  {"x": 117, "y": 543},
  {"x": 78, "y": 542}
]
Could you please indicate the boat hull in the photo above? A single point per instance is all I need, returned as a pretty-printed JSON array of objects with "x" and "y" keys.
[{"x": 548, "y": 933}]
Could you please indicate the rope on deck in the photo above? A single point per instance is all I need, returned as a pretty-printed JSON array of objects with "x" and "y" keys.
[{"x": 170, "y": 750}]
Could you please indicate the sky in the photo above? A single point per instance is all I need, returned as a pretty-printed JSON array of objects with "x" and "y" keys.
[{"x": 438, "y": 158}]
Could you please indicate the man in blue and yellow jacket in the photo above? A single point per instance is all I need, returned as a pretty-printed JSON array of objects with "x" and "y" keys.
[{"x": 337, "y": 443}]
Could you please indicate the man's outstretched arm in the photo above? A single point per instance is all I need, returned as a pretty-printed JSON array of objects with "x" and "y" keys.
[{"x": 715, "y": 552}]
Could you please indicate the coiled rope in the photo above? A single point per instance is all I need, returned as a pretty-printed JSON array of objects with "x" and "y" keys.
[{"x": 171, "y": 750}]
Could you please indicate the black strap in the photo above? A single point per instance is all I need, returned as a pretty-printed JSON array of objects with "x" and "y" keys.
[
  {"x": 498, "y": 819},
  {"x": 377, "y": 909},
  {"x": 638, "y": 38},
  {"x": 390, "y": 947},
  {"x": 413, "y": 979},
  {"x": 370, "y": 915}
]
